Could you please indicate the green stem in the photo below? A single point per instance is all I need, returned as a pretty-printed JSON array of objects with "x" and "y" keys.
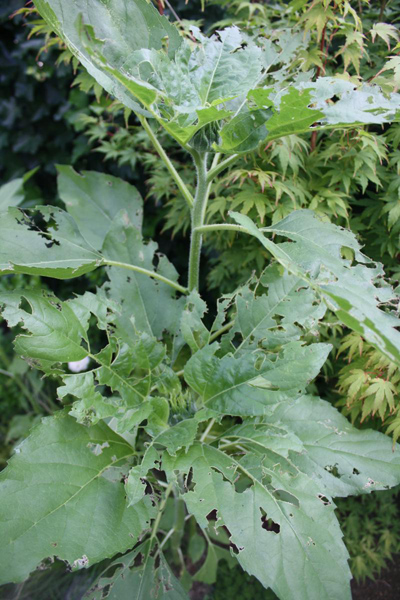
[
  {"x": 207, "y": 430},
  {"x": 178, "y": 180},
  {"x": 216, "y": 334},
  {"x": 153, "y": 274},
  {"x": 198, "y": 216},
  {"x": 159, "y": 515},
  {"x": 221, "y": 227},
  {"x": 214, "y": 171}
]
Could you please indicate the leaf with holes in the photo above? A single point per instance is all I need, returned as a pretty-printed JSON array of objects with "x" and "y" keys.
[
  {"x": 94, "y": 199},
  {"x": 56, "y": 498},
  {"x": 272, "y": 513},
  {"x": 355, "y": 292}
]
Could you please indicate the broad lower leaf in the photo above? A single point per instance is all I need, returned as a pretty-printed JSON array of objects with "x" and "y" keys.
[
  {"x": 354, "y": 291},
  {"x": 341, "y": 459},
  {"x": 94, "y": 199},
  {"x": 48, "y": 242},
  {"x": 57, "y": 499},
  {"x": 55, "y": 332},
  {"x": 273, "y": 516},
  {"x": 58, "y": 332}
]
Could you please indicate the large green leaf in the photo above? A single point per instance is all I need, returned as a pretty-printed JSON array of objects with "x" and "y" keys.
[
  {"x": 49, "y": 242},
  {"x": 227, "y": 73},
  {"x": 94, "y": 199},
  {"x": 324, "y": 104},
  {"x": 58, "y": 499},
  {"x": 248, "y": 384},
  {"x": 287, "y": 311},
  {"x": 343, "y": 460},
  {"x": 146, "y": 305},
  {"x": 281, "y": 531},
  {"x": 58, "y": 332},
  {"x": 354, "y": 291},
  {"x": 123, "y": 25},
  {"x": 60, "y": 252}
]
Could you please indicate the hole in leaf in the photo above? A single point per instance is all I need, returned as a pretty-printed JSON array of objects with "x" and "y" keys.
[
  {"x": 333, "y": 470},
  {"x": 286, "y": 497},
  {"x": 25, "y": 306},
  {"x": 324, "y": 499},
  {"x": 356, "y": 471},
  {"x": 269, "y": 524},
  {"x": 212, "y": 516}
]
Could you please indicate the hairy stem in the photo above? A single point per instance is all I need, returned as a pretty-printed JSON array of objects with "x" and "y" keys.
[
  {"x": 221, "y": 227},
  {"x": 214, "y": 171},
  {"x": 198, "y": 215},
  {"x": 173, "y": 172},
  {"x": 153, "y": 274}
]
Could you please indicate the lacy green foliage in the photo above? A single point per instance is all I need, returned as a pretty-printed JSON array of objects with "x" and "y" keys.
[
  {"x": 368, "y": 384},
  {"x": 371, "y": 532},
  {"x": 188, "y": 430}
]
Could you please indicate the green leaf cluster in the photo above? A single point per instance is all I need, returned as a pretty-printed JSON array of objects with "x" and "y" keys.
[{"x": 191, "y": 429}]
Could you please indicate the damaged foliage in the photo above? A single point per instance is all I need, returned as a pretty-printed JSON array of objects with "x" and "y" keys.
[{"x": 186, "y": 436}]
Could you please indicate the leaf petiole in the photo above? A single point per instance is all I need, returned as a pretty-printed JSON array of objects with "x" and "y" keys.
[
  {"x": 173, "y": 172},
  {"x": 153, "y": 274}
]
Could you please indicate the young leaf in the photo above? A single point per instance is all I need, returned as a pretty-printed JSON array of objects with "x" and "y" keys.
[{"x": 56, "y": 498}]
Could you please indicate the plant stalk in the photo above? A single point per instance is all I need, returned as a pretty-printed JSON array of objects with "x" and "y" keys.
[
  {"x": 221, "y": 227},
  {"x": 214, "y": 171},
  {"x": 198, "y": 216},
  {"x": 172, "y": 171}
]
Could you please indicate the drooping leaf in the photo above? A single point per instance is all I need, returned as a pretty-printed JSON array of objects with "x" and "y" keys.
[
  {"x": 355, "y": 292},
  {"x": 94, "y": 199},
  {"x": 275, "y": 516},
  {"x": 56, "y": 499},
  {"x": 342, "y": 460},
  {"x": 113, "y": 22},
  {"x": 58, "y": 249}
]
